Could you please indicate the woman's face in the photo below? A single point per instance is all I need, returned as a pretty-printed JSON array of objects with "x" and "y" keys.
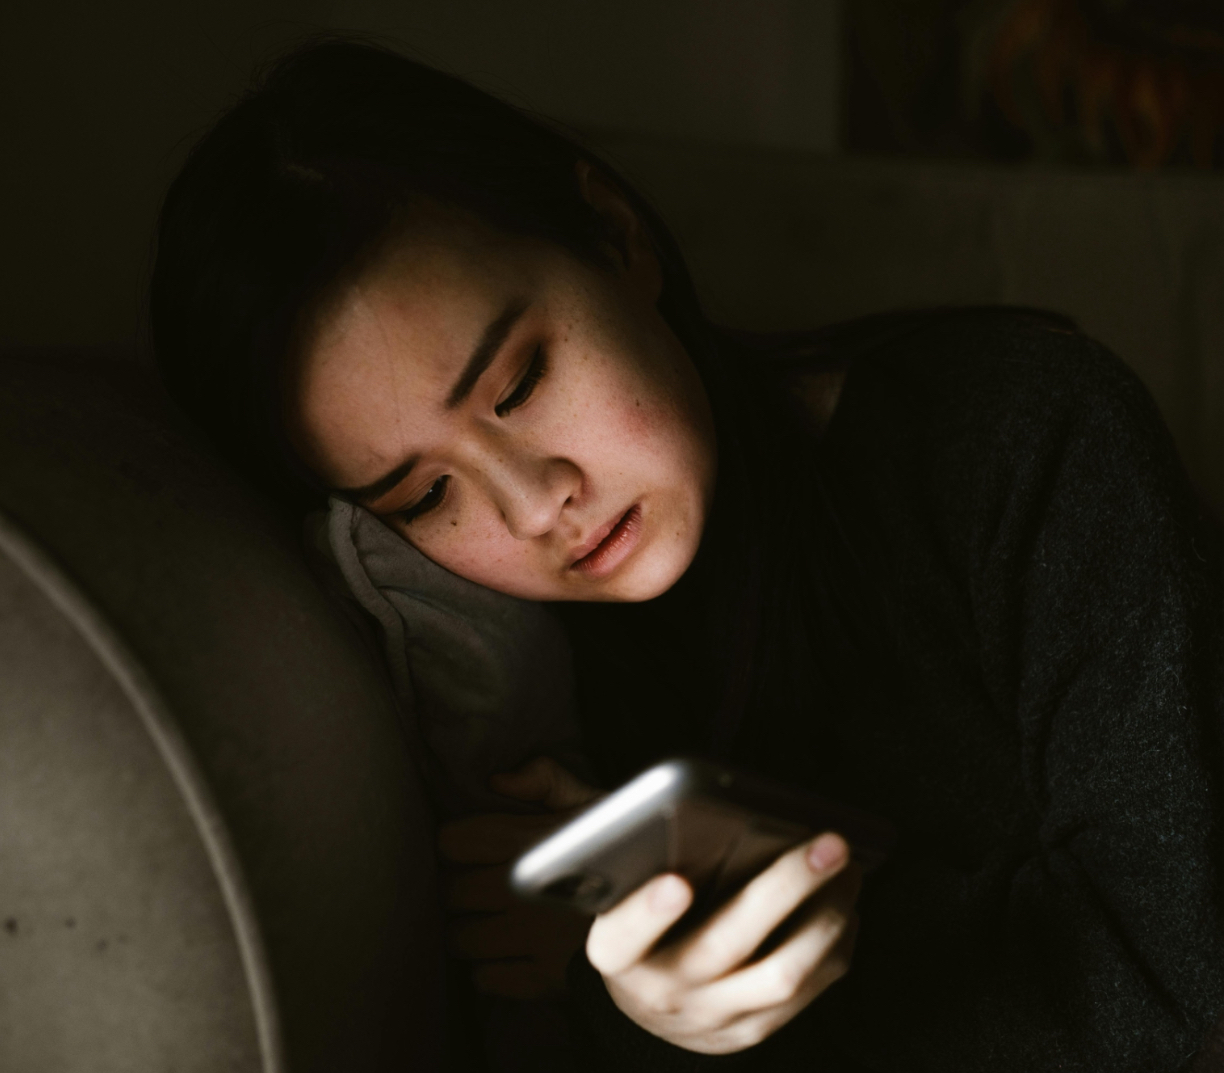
[{"x": 525, "y": 419}]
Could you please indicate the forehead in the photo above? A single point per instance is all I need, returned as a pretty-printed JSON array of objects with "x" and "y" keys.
[
  {"x": 429, "y": 295},
  {"x": 384, "y": 352}
]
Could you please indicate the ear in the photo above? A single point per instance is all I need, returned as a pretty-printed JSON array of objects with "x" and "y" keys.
[{"x": 632, "y": 247}]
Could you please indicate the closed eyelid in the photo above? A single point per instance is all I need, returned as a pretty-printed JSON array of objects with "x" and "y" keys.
[
  {"x": 528, "y": 378},
  {"x": 415, "y": 506}
]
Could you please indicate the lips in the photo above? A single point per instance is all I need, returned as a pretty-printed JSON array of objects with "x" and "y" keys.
[{"x": 606, "y": 550}]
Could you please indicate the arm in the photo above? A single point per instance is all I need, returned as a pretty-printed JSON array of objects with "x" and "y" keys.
[{"x": 1090, "y": 937}]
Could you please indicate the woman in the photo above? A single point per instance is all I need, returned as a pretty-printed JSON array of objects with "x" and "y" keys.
[{"x": 942, "y": 566}]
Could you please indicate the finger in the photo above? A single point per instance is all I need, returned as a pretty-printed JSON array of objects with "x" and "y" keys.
[
  {"x": 493, "y": 838},
  {"x": 545, "y": 781},
  {"x": 750, "y": 1029},
  {"x": 479, "y": 890},
  {"x": 790, "y": 972},
  {"x": 624, "y": 935},
  {"x": 732, "y": 934},
  {"x": 533, "y": 781}
]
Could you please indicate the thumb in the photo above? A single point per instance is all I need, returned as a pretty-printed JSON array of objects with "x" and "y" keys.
[{"x": 545, "y": 781}]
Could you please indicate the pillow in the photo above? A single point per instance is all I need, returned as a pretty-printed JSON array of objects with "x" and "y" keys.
[{"x": 485, "y": 680}]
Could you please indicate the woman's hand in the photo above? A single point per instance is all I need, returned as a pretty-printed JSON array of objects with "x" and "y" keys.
[
  {"x": 706, "y": 992},
  {"x": 520, "y": 949}
]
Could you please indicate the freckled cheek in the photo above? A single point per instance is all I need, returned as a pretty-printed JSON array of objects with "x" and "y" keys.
[
  {"x": 638, "y": 419},
  {"x": 474, "y": 543},
  {"x": 652, "y": 429}
]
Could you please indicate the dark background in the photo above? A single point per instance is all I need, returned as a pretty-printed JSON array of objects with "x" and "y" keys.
[
  {"x": 99, "y": 101},
  {"x": 818, "y": 159}
]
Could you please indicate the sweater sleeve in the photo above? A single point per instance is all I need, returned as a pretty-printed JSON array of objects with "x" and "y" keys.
[{"x": 1090, "y": 935}]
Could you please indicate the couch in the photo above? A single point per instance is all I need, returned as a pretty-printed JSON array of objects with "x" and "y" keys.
[{"x": 214, "y": 849}]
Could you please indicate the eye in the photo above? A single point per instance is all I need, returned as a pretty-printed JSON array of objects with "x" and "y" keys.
[
  {"x": 432, "y": 498},
  {"x": 524, "y": 388}
]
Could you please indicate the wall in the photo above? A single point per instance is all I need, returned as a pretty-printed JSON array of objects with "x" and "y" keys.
[
  {"x": 785, "y": 240},
  {"x": 98, "y": 103}
]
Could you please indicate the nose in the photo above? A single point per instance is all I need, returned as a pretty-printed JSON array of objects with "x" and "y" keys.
[{"x": 531, "y": 490}]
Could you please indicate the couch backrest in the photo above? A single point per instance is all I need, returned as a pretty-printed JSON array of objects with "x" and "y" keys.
[{"x": 214, "y": 849}]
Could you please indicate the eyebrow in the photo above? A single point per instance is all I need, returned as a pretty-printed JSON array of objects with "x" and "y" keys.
[
  {"x": 482, "y": 357},
  {"x": 486, "y": 350},
  {"x": 368, "y": 493}
]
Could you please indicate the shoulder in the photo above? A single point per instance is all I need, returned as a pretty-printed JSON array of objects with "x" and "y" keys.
[
  {"x": 998, "y": 361},
  {"x": 997, "y": 358},
  {"x": 984, "y": 424},
  {"x": 947, "y": 370},
  {"x": 974, "y": 409},
  {"x": 989, "y": 382}
]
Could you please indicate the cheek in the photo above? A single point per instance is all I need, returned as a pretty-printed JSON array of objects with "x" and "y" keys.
[
  {"x": 475, "y": 544},
  {"x": 653, "y": 436},
  {"x": 603, "y": 408}
]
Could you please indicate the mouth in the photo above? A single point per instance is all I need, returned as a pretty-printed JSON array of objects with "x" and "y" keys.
[{"x": 611, "y": 547}]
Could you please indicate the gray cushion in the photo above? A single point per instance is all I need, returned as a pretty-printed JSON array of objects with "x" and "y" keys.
[{"x": 487, "y": 678}]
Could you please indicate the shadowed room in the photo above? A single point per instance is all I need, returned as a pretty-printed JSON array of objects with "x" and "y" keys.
[{"x": 566, "y": 536}]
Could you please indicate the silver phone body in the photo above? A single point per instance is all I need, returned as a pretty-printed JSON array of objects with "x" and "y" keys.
[{"x": 715, "y": 826}]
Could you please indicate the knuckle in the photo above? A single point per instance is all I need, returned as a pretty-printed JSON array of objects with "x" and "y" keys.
[
  {"x": 833, "y": 923},
  {"x": 546, "y": 773},
  {"x": 660, "y": 1002},
  {"x": 782, "y": 983},
  {"x": 837, "y": 964},
  {"x": 745, "y": 1034},
  {"x": 599, "y": 951},
  {"x": 605, "y": 948},
  {"x": 712, "y": 948},
  {"x": 549, "y": 766},
  {"x": 827, "y": 920},
  {"x": 706, "y": 1020},
  {"x": 657, "y": 995}
]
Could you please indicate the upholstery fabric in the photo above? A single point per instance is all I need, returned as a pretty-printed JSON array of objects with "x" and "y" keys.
[
  {"x": 118, "y": 941},
  {"x": 486, "y": 678}
]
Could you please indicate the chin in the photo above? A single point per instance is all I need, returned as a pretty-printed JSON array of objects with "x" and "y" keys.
[{"x": 645, "y": 578}]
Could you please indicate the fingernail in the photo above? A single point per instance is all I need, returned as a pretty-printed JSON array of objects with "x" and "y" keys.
[
  {"x": 669, "y": 894},
  {"x": 827, "y": 852}
]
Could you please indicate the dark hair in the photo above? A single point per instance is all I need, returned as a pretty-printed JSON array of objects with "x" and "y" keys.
[{"x": 304, "y": 179}]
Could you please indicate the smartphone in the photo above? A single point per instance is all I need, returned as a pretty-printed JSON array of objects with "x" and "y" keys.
[{"x": 713, "y": 825}]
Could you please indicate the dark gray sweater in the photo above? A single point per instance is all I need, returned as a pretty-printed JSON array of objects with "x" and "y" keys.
[{"x": 1051, "y": 750}]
